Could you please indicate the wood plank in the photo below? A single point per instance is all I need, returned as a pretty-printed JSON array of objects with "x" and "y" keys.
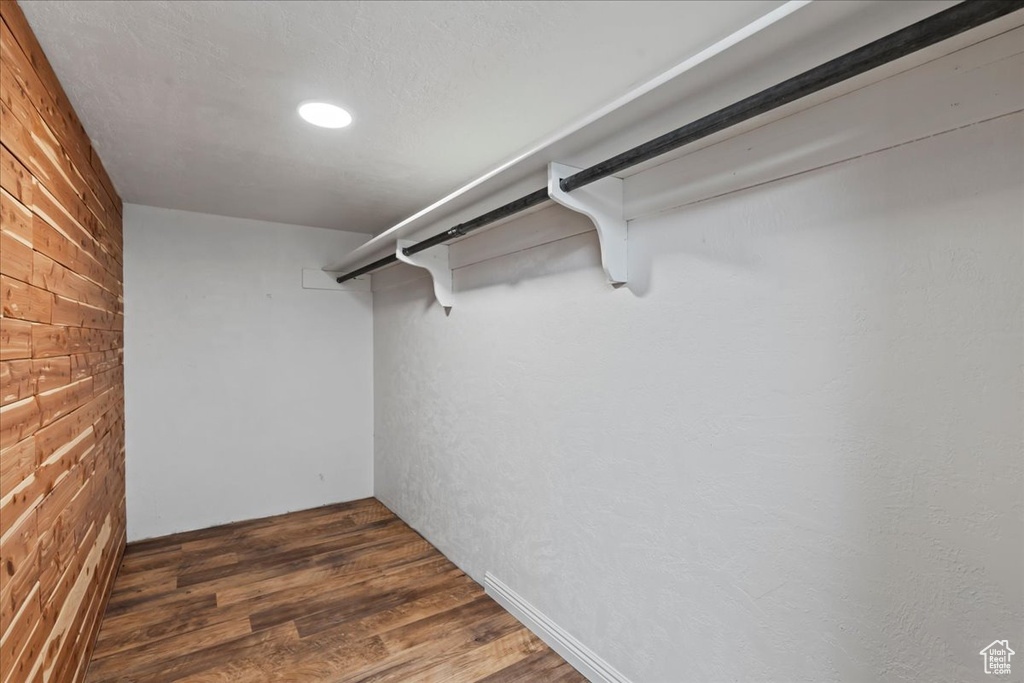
[
  {"x": 17, "y": 381},
  {"x": 38, "y": 146},
  {"x": 53, "y": 277},
  {"x": 71, "y": 313},
  {"x": 20, "y": 561},
  {"x": 129, "y": 656},
  {"x": 58, "y": 236},
  {"x": 107, "y": 379},
  {"x": 23, "y": 378},
  {"x": 87, "y": 635},
  {"x": 34, "y": 146},
  {"x": 94, "y": 363},
  {"x": 540, "y": 666},
  {"x": 81, "y": 340},
  {"x": 15, "y": 258},
  {"x": 56, "y": 403},
  {"x": 74, "y": 222},
  {"x": 344, "y": 592},
  {"x": 25, "y": 302},
  {"x": 65, "y": 607},
  {"x": 64, "y": 431},
  {"x": 19, "y": 76},
  {"x": 15, "y": 178},
  {"x": 96, "y": 570},
  {"x": 108, "y": 184},
  {"x": 19, "y": 645},
  {"x": 199, "y": 662},
  {"x": 283, "y": 588},
  {"x": 44, "y": 478},
  {"x": 15, "y": 238},
  {"x": 486, "y": 659},
  {"x": 48, "y": 341},
  {"x": 15, "y": 218},
  {"x": 15, "y": 339},
  {"x": 61, "y": 378},
  {"x": 17, "y": 464},
  {"x": 18, "y": 420},
  {"x": 21, "y": 31}
]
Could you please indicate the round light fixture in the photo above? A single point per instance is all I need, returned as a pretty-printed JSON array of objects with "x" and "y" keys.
[{"x": 324, "y": 115}]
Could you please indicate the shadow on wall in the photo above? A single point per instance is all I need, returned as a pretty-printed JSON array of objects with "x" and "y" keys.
[
  {"x": 802, "y": 435},
  {"x": 946, "y": 94},
  {"x": 577, "y": 253},
  {"x": 574, "y": 245}
]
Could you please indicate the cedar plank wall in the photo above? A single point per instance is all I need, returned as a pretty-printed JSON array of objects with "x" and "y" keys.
[{"x": 62, "y": 514}]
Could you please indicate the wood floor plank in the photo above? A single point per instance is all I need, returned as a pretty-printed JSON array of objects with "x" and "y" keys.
[
  {"x": 324, "y": 574},
  {"x": 145, "y": 605},
  {"x": 213, "y": 659},
  {"x": 417, "y": 653},
  {"x": 129, "y": 654},
  {"x": 200, "y": 608},
  {"x": 344, "y": 592},
  {"x": 483, "y": 661},
  {"x": 376, "y": 593},
  {"x": 276, "y": 561},
  {"x": 544, "y": 666}
]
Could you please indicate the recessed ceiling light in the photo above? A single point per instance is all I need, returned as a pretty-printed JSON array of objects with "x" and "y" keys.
[{"x": 325, "y": 115}]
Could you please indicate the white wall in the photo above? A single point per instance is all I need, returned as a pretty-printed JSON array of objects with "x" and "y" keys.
[
  {"x": 790, "y": 450},
  {"x": 246, "y": 395}
]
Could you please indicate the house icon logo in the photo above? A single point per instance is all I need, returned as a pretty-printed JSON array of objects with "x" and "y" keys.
[{"x": 997, "y": 657}]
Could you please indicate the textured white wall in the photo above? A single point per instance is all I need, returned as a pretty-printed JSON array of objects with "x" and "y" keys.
[
  {"x": 246, "y": 395},
  {"x": 790, "y": 450}
]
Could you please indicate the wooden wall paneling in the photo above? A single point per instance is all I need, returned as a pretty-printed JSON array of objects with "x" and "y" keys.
[
  {"x": 16, "y": 381},
  {"x": 62, "y": 517},
  {"x": 34, "y": 131},
  {"x": 60, "y": 238},
  {"x": 14, "y": 20},
  {"x": 14, "y": 177},
  {"x": 21, "y": 644},
  {"x": 29, "y": 146},
  {"x": 21, "y": 608},
  {"x": 20, "y": 379},
  {"x": 22, "y": 300},
  {"x": 18, "y": 420},
  {"x": 45, "y": 477},
  {"x": 23, "y": 82},
  {"x": 15, "y": 238},
  {"x": 19, "y": 548},
  {"x": 49, "y": 341},
  {"x": 15, "y": 338},
  {"x": 85, "y": 645},
  {"x": 18, "y": 464}
]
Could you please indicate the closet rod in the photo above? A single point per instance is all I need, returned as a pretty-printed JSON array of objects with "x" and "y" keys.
[{"x": 929, "y": 31}]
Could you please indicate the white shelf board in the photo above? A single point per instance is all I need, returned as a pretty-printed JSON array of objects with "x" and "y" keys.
[{"x": 789, "y": 40}]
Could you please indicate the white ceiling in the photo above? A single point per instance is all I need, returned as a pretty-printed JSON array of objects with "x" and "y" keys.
[{"x": 191, "y": 105}]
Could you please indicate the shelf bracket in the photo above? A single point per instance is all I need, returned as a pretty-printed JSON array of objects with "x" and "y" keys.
[
  {"x": 435, "y": 262},
  {"x": 601, "y": 202}
]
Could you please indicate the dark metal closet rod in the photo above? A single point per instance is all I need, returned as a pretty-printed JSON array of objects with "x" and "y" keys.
[{"x": 927, "y": 32}]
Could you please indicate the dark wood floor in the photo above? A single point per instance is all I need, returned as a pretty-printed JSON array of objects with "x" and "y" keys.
[{"x": 340, "y": 593}]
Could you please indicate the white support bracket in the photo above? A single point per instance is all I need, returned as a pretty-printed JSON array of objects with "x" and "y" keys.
[
  {"x": 435, "y": 261},
  {"x": 601, "y": 202}
]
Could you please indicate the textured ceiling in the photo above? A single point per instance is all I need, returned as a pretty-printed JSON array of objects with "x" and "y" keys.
[{"x": 192, "y": 104}]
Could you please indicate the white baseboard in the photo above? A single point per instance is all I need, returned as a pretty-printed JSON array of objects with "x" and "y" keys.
[{"x": 573, "y": 651}]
